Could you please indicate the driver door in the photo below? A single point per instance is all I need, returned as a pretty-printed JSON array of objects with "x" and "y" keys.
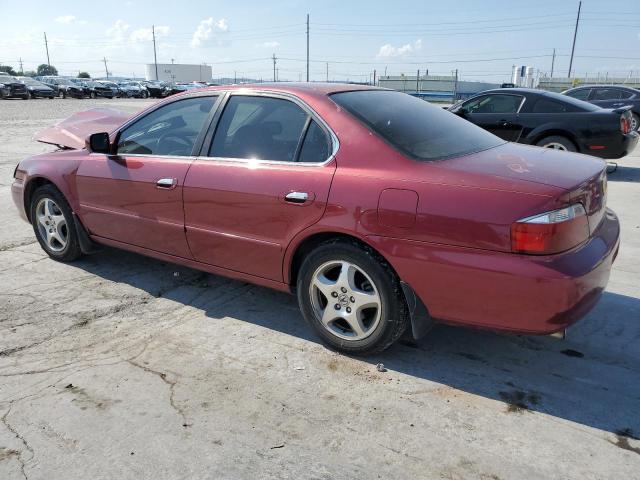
[
  {"x": 496, "y": 113},
  {"x": 135, "y": 196}
]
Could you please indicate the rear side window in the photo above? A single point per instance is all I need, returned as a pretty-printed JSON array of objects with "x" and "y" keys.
[
  {"x": 315, "y": 147},
  {"x": 415, "y": 127},
  {"x": 581, "y": 94},
  {"x": 262, "y": 128},
  {"x": 542, "y": 105}
]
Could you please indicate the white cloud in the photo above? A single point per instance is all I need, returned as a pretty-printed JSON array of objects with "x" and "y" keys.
[
  {"x": 65, "y": 19},
  {"x": 118, "y": 31},
  {"x": 206, "y": 28},
  {"x": 388, "y": 50},
  {"x": 146, "y": 34},
  {"x": 271, "y": 44}
]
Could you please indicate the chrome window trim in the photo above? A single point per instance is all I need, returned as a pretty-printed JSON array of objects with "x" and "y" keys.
[{"x": 335, "y": 143}]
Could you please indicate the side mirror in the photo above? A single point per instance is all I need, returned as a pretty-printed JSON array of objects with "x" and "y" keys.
[
  {"x": 462, "y": 111},
  {"x": 99, "y": 143}
]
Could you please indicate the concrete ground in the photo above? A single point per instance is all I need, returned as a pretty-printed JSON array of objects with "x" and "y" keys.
[{"x": 120, "y": 366}]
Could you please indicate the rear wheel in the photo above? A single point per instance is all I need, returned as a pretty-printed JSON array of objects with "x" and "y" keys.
[
  {"x": 54, "y": 225},
  {"x": 635, "y": 122},
  {"x": 351, "y": 298},
  {"x": 557, "y": 142}
]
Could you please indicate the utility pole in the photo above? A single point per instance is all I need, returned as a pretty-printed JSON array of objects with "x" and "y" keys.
[
  {"x": 455, "y": 87},
  {"x": 553, "y": 61},
  {"x": 307, "y": 47},
  {"x": 274, "y": 67},
  {"x": 21, "y": 70},
  {"x": 46, "y": 45},
  {"x": 235, "y": 77},
  {"x": 106, "y": 71},
  {"x": 155, "y": 57},
  {"x": 418, "y": 82},
  {"x": 575, "y": 34},
  {"x": 327, "y": 72},
  {"x": 374, "y": 76}
]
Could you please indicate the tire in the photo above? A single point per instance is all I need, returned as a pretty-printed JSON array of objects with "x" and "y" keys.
[
  {"x": 59, "y": 237},
  {"x": 63, "y": 94},
  {"x": 635, "y": 122},
  {"x": 557, "y": 142},
  {"x": 370, "y": 281},
  {"x": 26, "y": 97},
  {"x": 93, "y": 95}
]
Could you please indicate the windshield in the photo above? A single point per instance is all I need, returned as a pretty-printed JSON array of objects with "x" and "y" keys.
[
  {"x": 31, "y": 81},
  {"x": 63, "y": 81},
  {"x": 415, "y": 127},
  {"x": 7, "y": 78}
]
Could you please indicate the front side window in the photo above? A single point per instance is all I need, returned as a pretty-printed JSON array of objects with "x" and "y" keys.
[
  {"x": 581, "y": 94},
  {"x": 170, "y": 130},
  {"x": 259, "y": 127},
  {"x": 494, "y": 104},
  {"x": 415, "y": 127}
]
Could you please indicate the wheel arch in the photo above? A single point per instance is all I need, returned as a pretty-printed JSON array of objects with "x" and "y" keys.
[
  {"x": 420, "y": 319},
  {"x": 32, "y": 185},
  {"x": 535, "y": 137}
]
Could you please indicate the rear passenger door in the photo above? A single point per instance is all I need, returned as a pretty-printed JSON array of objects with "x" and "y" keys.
[
  {"x": 263, "y": 176},
  {"x": 497, "y": 113}
]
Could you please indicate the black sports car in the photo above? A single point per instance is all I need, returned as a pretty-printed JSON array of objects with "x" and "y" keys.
[
  {"x": 610, "y": 96},
  {"x": 97, "y": 89},
  {"x": 115, "y": 88},
  {"x": 157, "y": 89},
  {"x": 15, "y": 88},
  {"x": 65, "y": 87},
  {"x": 37, "y": 89},
  {"x": 551, "y": 120}
]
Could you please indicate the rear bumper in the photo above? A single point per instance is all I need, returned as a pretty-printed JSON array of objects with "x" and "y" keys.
[
  {"x": 619, "y": 146},
  {"x": 504, "y": 291}
]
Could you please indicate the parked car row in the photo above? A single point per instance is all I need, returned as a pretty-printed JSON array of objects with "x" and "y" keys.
[{"x": 558, "y": 121}]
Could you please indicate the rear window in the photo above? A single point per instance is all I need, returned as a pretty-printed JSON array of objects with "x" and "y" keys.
[
  {"x": 415, "y": 127},
  {"x": 579, "y": 104}
]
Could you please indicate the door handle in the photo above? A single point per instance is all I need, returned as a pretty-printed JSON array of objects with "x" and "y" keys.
[
  {"x": 296, "y": 197},
  {"x": 166, "y": 183},
  {"x": 504, "y": 123}
]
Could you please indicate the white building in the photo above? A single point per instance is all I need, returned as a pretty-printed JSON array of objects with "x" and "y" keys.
[{"x": 179, "y": 72}]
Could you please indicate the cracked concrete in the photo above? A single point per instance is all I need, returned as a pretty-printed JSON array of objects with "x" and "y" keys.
[{"x": 120, "y": 366}]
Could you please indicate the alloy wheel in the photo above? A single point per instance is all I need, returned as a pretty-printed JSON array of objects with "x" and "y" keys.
[
  {"x": 52, "y": 225},
  {"x": 345, "y": 300},
  {"x": 555, "y": 146}
]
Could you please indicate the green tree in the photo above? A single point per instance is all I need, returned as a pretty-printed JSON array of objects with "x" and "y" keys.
[
  {"x": 30, "y": 73},
  {"x": 45, "y": 69},
  {"x": 84, "y": 75},
  {"x": 7, "y": 69}
]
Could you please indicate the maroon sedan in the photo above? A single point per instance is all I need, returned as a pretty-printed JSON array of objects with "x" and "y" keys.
[{"x": 382, "y": 212}]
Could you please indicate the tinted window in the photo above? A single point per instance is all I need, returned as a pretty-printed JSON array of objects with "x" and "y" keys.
[
  {"x": 169, "y": 130},
  {"x": 581, "y": 94},
  {"x": 543, "y": 105},
  {"x": 606, "y": 94},
  {"x": 259, "y": 127},
  {"x": 579, "y": 105},
  {"x": 415, "y": 127},
  {"x": 315, "y": 147},
  {"x": 494, "y": 104},
  {"x": 625, "y": 94}
]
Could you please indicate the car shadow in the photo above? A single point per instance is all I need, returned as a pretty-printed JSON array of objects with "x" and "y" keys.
[
  {"x": 624, "y": 174},
  {"x": 591, "y": 378}
]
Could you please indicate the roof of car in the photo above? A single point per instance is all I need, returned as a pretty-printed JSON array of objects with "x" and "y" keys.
[
  {"x": 623, "y": 87},
  {"x": 297, "y": 87}
]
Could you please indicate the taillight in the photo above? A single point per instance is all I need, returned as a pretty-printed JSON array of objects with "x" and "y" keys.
[
  {"x": 550, "y": 232},
  {"x": 625, "y": 123}
]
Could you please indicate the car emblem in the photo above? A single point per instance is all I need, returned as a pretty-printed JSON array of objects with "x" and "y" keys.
[{"x": 343, "y": 299}]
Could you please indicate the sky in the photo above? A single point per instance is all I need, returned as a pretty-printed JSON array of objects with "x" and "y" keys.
[{"x": 349, "y": 39}]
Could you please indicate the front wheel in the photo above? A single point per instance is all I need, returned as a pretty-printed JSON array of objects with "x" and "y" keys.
[
  {"x": 351, "y": 298},
  {"x": 557, "y": 142},
  {"x": 54, "y": 225}
]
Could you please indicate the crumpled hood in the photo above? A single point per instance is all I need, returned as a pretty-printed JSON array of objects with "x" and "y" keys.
[{"x": 73, "y": 131}]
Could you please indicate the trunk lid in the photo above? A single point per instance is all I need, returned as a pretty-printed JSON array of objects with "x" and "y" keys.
[{"x": 73, "y": 131}]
